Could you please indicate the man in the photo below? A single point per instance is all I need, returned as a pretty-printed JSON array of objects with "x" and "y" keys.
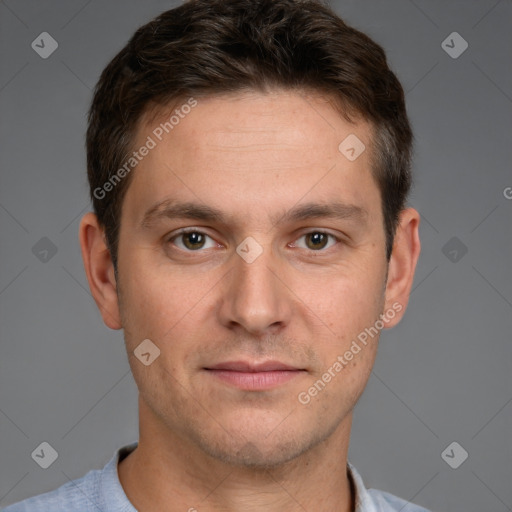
[{"x": 249, "y": 163}]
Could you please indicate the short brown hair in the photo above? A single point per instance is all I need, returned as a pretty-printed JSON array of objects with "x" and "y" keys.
[{"x": 207, "y": 47}]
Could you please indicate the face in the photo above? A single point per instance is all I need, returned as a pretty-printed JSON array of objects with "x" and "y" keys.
[{"x": 252, "y": 254}]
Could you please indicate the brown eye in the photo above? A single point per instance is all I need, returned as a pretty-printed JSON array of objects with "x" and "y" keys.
[
  {"x": 192, "y": 241},
  {"x": 316, "y": 240}
]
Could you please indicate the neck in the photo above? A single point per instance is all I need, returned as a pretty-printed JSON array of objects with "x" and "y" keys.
[{"x": 167, "y": 472}]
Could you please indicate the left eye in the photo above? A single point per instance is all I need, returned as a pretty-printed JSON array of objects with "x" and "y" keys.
[{"x": 317, "y": 240}]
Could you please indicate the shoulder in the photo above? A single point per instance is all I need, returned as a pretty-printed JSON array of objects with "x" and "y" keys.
[
  {"x": 373, "y": 500},
  {"x": 98, "y": 490},
  {"x": 77, "y": 495},
  {"x": 386, "y": 502}
]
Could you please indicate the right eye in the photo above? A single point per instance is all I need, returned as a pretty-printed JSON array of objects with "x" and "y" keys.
[{"x": 191, "y": 240}]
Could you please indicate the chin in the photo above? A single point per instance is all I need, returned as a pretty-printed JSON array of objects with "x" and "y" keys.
[
  {"x": 259, "y": 452},
  {"x": 253, "y": 456}
]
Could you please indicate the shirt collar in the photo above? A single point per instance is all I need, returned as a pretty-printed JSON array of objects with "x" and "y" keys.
[{"x": 363, "y": 501}]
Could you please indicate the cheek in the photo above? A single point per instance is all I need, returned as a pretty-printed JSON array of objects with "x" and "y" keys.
[
  {"x": 148, "y": 306},
  {"x": 161, "y": 303},
  {"x": 349, "y": 301},
  {"x": 349, "y": 304}
]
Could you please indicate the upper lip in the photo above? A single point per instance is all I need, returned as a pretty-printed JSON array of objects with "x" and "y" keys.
[{"x": 251, "y": 367}]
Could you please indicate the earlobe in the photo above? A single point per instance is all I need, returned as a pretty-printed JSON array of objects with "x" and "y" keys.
[
  {"x": 402, "y": 264},
  {"x": 99, "y": 270}
]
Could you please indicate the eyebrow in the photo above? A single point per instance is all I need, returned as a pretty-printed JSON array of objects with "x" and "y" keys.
[{"x": 169, "y": 209}]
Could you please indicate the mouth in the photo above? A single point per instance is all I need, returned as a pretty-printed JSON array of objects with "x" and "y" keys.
[{"x": 251, "y": 376}]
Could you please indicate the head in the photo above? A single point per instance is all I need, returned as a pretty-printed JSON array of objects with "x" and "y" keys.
[{"x": 280, "y": 135}]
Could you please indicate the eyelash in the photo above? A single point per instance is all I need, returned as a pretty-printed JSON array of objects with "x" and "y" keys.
[{"x": 187, "y": 231}]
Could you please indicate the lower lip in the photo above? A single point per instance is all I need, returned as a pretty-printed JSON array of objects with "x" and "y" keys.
[{"x": 256, "y": 381}]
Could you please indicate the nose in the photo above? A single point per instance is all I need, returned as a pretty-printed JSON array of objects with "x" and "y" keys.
[{"x": 255, "y": 299}]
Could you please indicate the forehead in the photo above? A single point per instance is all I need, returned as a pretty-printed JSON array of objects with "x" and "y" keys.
[
  {"x": 231, "y": 117},
  {"x": 248, "y": 149}
]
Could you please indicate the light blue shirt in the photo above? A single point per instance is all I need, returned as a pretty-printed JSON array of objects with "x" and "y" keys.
[{"x": 100, "y": 491}]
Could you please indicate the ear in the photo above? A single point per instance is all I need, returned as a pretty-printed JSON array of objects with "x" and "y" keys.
[
  {"x": 99, "y": 270},
  {"x": 402, "y": 264}
]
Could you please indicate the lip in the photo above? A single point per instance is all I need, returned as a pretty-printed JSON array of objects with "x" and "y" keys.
[
  {"x": 251, "y": 376},
  {"x": 248, "y": 367}
]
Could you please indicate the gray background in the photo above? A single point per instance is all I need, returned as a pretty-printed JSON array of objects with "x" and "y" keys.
[{"x": 443, "y": 375}]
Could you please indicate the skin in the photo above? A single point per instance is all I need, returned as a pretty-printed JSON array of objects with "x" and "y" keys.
[{"x": 204, "y": 443}]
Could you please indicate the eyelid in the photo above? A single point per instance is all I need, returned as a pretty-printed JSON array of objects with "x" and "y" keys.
[{"x": 188, "y": 229}]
